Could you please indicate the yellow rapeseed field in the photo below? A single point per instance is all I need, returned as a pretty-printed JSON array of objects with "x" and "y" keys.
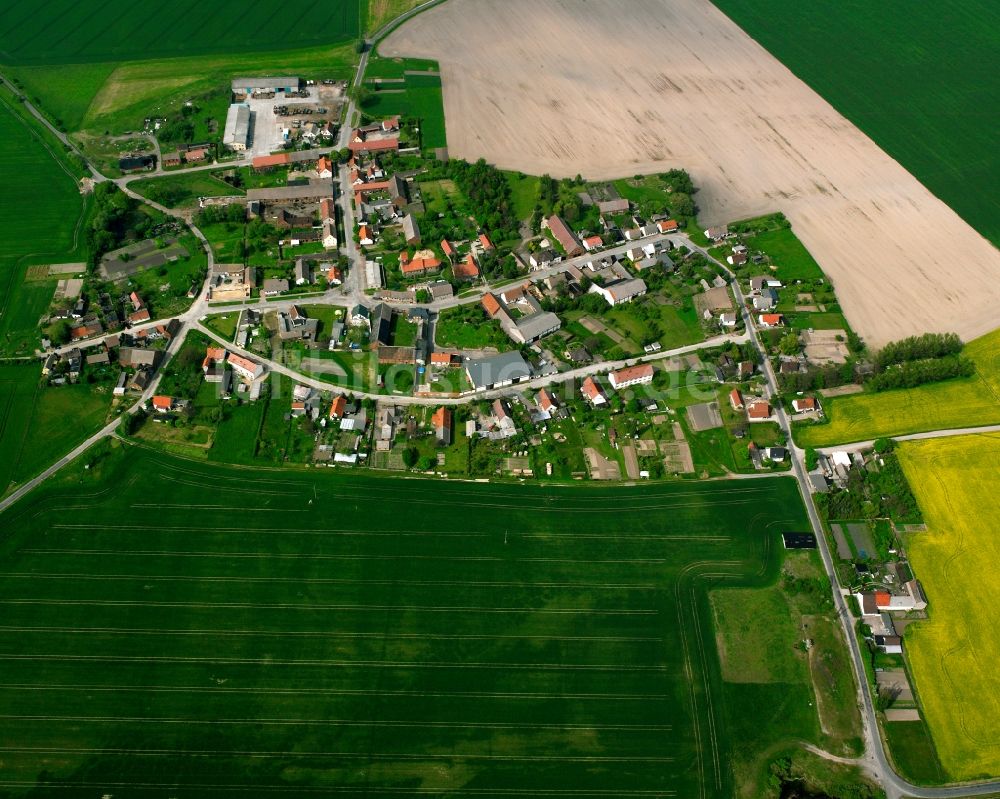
[
  {"x": 955, "y": 654},
  {"x": 966, "y": 402}
]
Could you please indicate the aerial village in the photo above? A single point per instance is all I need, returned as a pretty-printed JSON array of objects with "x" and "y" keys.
[{"x": 382, "y": 313}]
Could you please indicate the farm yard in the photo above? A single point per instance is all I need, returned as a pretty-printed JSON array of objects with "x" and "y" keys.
[
  {"x": 960, "y": 402},
  {"x": 945, "y": 139},
  {"x": 119, "y": 96},
  {"x": 952, "y": 654},
  {"x": 78, "y": 33},
  {"x": 701, "y": 114},
  {"x": 542, "y": 645}
]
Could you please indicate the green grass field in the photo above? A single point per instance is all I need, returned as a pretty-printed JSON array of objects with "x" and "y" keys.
[
  {"x": 202, "y": 627},
  {"x": 951, "y": 654},
  {"x": 74, "y": 33},
  {"x": 964, "y": 402},
  {"x": 789, "y": 255},
  {"x": 932, "y": 107},
  {"x": 419, "y": 97},
  {"x": 39, "y": 425},
  {"x": 179, "y": 190},
  {"x": 49, "y": 230}
]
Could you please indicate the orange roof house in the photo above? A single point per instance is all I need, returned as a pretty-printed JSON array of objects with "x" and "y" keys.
[
  {"x": 667, "y": 225},
  {"x": 490, "y": 304},
  {"x": 323, "y": 165},
  {"x": 736, "y": 399},
  {"x": 442, "y": 359},
  {"x": 338, "y": 407},
  {"x": 592, "y": 392},
  {"x": 770, "y": 320},
  {"x": 447, "y": 249},
  {"x": 759, "y": 409},
  {"x": 484, "y": 240},
  {"x": 545, "y": 400},
  {"x": 467, "y": 269},
  {"x": 162, "y": 403}
]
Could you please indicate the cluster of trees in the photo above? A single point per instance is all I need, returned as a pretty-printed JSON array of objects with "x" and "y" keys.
[
  {"x": 214, "y": 214},
  {"x": 916, "y": 373},
  {"x": 917, "y": 348},
  {"x": 488, "y": 193},
  {"x": 817, "y": 377},
  {"x": 115, "y": 217},
  {"x": 875, "y": 492}
]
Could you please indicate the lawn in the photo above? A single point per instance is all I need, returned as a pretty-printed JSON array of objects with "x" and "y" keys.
[
  {"x": 83, "y": 33},
  {"x": 787, "y": 253},
  {"x": 468, "y": 328},
  {"x": 952, "y": 655},
  {"x": 554, "y": 641},
  {"x": 523, "y": 193},
  {"x": 964, "y": 402},
  {"x": 928, "y": 107},
  {"x": 757, "y": 637},
  {"x": 40, "y": 424},
  {"x": 436, "y": 194},
  {"x": 913, "y": 752},
  {"x": 223, "y": 324},
  {"x": 180, "y": 189}
]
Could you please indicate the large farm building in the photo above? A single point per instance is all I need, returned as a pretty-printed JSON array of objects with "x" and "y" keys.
[{"x": 254, "y": 85}]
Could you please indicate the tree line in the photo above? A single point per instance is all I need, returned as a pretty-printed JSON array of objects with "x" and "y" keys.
[{"x": 917, "y": 348}]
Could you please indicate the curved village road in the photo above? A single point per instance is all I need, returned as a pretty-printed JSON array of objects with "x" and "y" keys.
[{"x": 876, "y": 759}]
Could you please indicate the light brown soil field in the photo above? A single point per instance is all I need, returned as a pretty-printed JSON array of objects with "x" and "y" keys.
[{"x": 620, "y": 87}]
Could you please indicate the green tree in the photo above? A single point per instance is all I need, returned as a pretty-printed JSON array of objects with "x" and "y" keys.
[
  {"x": 789, "y": 344},
  {"x": 410, "y": 457}
]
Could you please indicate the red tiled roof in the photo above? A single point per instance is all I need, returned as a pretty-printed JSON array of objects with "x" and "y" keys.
[
  {"x": 441, "y": 418},
  {"x": 632, "y": 373},
  {"x": 882, "y": 599},
  {"x": 162, "y": 403},
  {"x": 278, "y": 159},
  {"x": 759, "y": 409},
  {"x": 490, "y": 304},
  {"x": 467, "y": 269},
  {"x": 446, "y": 248},
  {"x": 736, "y": 398},
  {"x": 338, "y": 407},
  {"x": 324, "y": 164},
  {"x": 418, "y": 265},
  {"x": 591, "y": 390},
  {"x": 667, "y": 225},
  {"x": 442, "y": 358},
  {"x": 485, "y": 241},
  {"x": 545, "y": 400},
  {"x": 770, "y": 319}
]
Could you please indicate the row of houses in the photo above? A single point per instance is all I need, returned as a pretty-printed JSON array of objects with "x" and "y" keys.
[{"x": 627, "y": 377}]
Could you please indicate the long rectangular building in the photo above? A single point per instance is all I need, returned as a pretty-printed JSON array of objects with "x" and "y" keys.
[
  {"x": 237, "y": 133},
  {"x": 314, "y": 190},
  {"x": 251, "y": 85}
]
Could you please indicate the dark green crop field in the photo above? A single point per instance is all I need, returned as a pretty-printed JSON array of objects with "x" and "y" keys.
[
  {"x": 176, "y": 629},
  {"x": 920, "y": 79},
  {"x": 74, "y": 32}
]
